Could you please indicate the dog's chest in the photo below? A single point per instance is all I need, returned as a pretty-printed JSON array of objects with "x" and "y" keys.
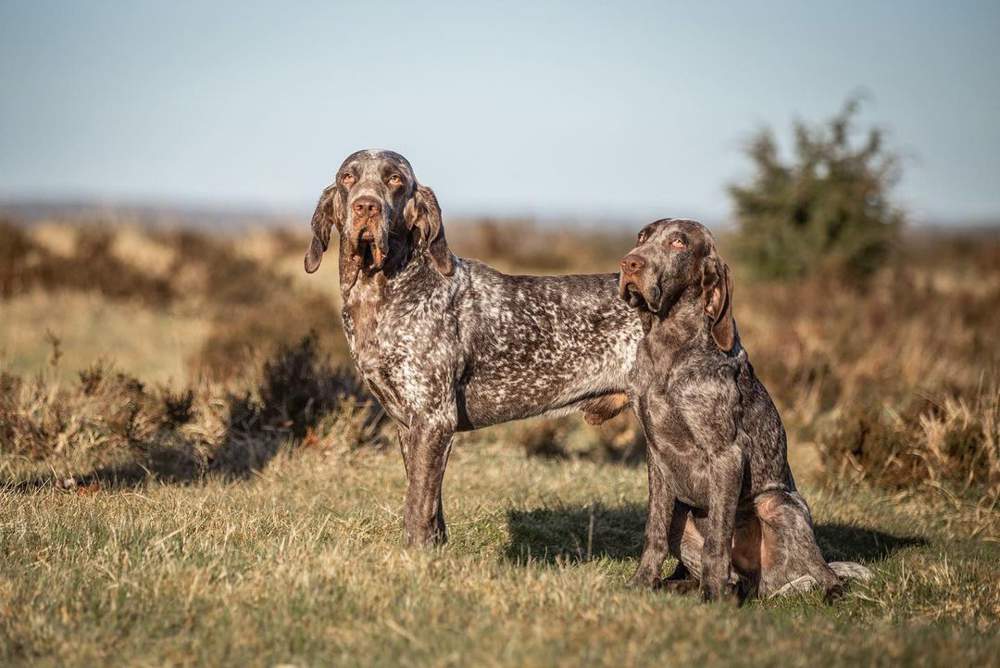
[
  {"x": 678, "y": 401},
  {"x": 362, "y": 315},
  {"x": 392, "y": 345},
  {"x": 361, "y": 319}
]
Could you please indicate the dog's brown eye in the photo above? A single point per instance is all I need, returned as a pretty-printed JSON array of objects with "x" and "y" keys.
[
  {"x": 347, "y": 179},
  {"x": 642, "y": 238},
  {"x": 395, "y": 180},
  {"x": 678, "y": 243}
]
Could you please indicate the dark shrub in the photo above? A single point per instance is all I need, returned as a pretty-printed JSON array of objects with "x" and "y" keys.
[
  {"x": 827, "y": 211},
  {"x": 178, "y": 409}
]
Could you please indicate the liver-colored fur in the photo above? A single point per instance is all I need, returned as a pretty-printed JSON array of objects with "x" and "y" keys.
[
  {"x": 449, "y": 344},
  {"x": 722, "y": 498}
]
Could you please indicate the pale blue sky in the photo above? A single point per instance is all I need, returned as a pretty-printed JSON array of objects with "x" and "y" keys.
[{"x": 625, "y": 110}]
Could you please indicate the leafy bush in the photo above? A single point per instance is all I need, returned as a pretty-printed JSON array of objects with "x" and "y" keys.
[
  {"x": 827, "y": 211},
  {"x": 299, "y": 393}
]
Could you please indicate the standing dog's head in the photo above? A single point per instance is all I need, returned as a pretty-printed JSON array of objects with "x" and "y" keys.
[
  {"x": 674, "y": 257},
  {"x": 378, "y": 208}
]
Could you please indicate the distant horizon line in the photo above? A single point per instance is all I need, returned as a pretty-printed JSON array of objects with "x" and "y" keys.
[{"x": 230, "y": 214}]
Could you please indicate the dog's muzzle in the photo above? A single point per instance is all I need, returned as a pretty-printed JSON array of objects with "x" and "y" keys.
[{"x": 368, "y": 236}]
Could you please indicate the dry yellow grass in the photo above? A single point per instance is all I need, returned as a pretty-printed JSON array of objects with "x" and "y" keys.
[
  {"x": 152, "y": 343},
  {"x": 303, "y": 565},
  {"x": 256, "y": 519}
]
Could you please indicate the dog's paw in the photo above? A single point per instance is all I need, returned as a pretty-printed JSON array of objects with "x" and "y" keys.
[
  {"x": 643, "y": 579},
  {"x": 726, "y": 593},
  {"x": 681, "y": 587},
  {"x": 801, "y": 584},
  {"x": 849, "y": 570}
]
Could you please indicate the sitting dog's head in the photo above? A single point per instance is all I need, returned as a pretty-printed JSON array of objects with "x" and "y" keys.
[
  {"x": 378, "y": 209},
  {"x": 674, "y": 258}
]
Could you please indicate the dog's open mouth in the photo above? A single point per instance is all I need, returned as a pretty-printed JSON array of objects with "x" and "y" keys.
[
  {"x": 636, "y": 299},
  {"x": 367, "y": 250}
]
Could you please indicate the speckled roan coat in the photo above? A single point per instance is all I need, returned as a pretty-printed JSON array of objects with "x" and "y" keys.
[
  {"x": 449, "y": 344},
  {"x": 722, "y": 498}
]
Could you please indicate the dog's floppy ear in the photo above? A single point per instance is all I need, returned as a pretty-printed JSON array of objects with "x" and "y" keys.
[
  {"x": 423, "y": 214},
  {"x": 718, "y": 289},
  {"x": 329, "y": 212}
]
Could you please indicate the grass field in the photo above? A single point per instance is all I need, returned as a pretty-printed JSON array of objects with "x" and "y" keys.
[
  {"x": 303, "y": 564},
  {"x": 211, "y": 501}
]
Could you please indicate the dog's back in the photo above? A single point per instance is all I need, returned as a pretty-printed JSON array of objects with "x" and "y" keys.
[
  {"x": 539, "y": 344},
  {"x": 760, "y": 431}
]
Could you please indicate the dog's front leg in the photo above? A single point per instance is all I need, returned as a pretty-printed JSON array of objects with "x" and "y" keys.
[
  {"x": 403, "y": 436},
  {"x": 726, "y": 476},
  {"x": 660, "y": 506},
  {"x": 425, "y": 456}
]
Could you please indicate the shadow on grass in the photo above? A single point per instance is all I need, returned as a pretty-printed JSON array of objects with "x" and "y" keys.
[
  {"x": 297, "y": 391},
  {"x": 844, "y": 542},
  {"x": 575, "y": 534},
  {"x": 116, "y": 476},
  {"x": 586, "y": 533}
]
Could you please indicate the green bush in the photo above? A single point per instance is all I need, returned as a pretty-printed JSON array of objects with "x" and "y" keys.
[{"x": 827, "y": 211}]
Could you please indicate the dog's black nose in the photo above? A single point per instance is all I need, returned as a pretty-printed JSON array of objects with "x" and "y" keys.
[
  {"x": 632, "y": 264},
  {"x": 367, "y": 207}
]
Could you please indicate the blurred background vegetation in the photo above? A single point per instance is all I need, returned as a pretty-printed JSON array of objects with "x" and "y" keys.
[
  {"x": 827, "y": 211},
  {"x": 131, "y": 350}
]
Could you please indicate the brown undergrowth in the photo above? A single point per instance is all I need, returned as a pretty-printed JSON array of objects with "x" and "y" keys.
[
  {"x": 896, "y": 383},
  {"x": 109, "y": 429},
  {"x": 212, "y": 496}
]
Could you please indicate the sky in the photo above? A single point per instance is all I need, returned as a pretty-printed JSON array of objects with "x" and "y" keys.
[{"x": 624, "y": 110}]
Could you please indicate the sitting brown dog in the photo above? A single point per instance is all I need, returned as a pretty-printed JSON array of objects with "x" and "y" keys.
[{"x": 722, "y": 499}]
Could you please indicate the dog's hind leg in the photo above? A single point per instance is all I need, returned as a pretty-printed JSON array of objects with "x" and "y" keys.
[
  {"x": 790, "y": 558},
  {"x": 685, "y": 543}
]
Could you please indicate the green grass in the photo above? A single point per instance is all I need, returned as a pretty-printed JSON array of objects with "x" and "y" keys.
[{"x": 303, "y": 564}]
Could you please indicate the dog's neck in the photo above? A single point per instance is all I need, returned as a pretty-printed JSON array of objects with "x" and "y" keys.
[
  {"x": 405, "y": 263},
  {"x": 366, "y": 297},
  {"x": 398, "y": 259},
  {"x": 679, "y": 323}
]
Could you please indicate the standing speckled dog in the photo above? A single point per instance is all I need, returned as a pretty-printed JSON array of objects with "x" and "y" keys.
[
  {"x": 721, "y": 493},
  {"x": 448, "y": 344}
]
